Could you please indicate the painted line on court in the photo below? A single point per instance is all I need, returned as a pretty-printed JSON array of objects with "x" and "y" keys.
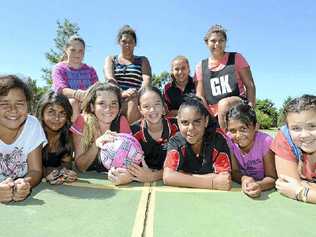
[
  {"x": 149, "y": 224},
  {"x": 103, "y": 186},
  {"x": 141, "y": 188},
  {"x": 139, "y": 222}
]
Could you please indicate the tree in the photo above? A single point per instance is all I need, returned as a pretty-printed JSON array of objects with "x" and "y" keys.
[
  {"x": 160, "y": 80},
  {"x": 281, "y": 119},
  {"x": 267, "y": 110},
  {"x": 64, "y": 31},
  {"x": 37, "y": 93}
]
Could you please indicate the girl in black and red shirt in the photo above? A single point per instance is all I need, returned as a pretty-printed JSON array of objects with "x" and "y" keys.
[
  {"x": 198, "y": 156},
  {"x": 153, "y": 132}
]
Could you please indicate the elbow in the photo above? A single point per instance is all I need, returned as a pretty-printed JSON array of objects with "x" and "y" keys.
[
  {"x": 166, "y": 178},
  {"x": 80, "y": 167}
]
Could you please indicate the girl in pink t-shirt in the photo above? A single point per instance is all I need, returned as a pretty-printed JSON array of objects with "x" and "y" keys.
[
  {"x": 224, "y": 78},
  {"x": 252, "y": 160},
  {"x": 100, "y": 122}
]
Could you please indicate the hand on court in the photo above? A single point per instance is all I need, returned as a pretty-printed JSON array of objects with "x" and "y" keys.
[
  {"x": 119, "y": 176},
  {"x": 70, "y": 176},
  {"x": 142, "y": 174},
  {"x": 222, "y": 181},
  {"x": 6, "y": 190},
  {"x": 22, "y": 189},
  {"x": 288, "y": 186},
  {"x": 250, "y": 187},
  {"x": 108, "y": 136}
]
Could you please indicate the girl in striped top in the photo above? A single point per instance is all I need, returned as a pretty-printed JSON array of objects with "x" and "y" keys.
[{"x": 128, "y": 71}]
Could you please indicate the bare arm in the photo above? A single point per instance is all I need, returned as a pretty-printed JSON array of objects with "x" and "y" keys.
[
  {"x": 83, "y": 159},
  {"x": 146, "y": 70},
  {"x": 109, "y": 70},
  {"x": 268, "y": 181},
  {"x": 246, "y": 77},
  {"x": 220, "y": 181},
  {"x": 200, "y": 91},
  {"x": 236, "y": 174},
  {"x": 34, "y": 163}
]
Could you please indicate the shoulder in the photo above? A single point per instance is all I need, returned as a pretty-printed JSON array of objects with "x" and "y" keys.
[
  {"x": 32, "y": 122},
  {"x": 263, "y": 137},
  {"x": 281, "y": 147},
  {"x": 168, "y": 86},
  {"x": 240, "y": 61},
  {"x": 176, "y": 141},
  {"x": 61, "y": 66}
]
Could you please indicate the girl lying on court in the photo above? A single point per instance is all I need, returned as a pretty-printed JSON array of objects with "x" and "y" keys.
[
  {"x": 198, "y": 156},
  {"x": 295, "y": 150},
  {"x": 252, "y": 160},
  {"x": 55, "y": 111},
  {"x": 20, "y": 156}
]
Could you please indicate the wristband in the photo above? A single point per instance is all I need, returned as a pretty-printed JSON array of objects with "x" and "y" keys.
[{"x": 305, "y": 193}]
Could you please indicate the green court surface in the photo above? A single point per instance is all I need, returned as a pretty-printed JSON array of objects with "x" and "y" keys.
[{"x": 93, "y": 207}]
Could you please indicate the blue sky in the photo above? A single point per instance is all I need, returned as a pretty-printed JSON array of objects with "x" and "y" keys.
[{"x": 278, "y": 38}]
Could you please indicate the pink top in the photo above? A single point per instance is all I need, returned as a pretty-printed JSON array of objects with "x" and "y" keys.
[
  {"x": 78, "y": 125},
  {"x": 66, "y": 77}
]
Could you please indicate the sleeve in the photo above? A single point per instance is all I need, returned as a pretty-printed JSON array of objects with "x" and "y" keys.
[
  {"x": 221, "y": 156},
  {"x": 36, "y": 131},
  {"x": 124, "y": 125},
  {"x": 267, "y": 140},
  {"x": 198, "y": 72},
  {"x": 166, "y": 96},
  {"x": 172, "y": 160},
  {"x": 94, "y": 75},
  {"x": 281, "y": 147},
  {"x": 59, "y": 79},
  {"x": 240, "y": 62}
]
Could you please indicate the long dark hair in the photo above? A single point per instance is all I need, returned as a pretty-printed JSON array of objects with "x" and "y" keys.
[{"x": 65, "y": 140}]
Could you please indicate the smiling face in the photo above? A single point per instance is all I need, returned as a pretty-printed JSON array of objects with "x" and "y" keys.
[
  {"x": 54, "y": 117},
  {"x": 13, "y": 110},
  {"x": 302, "y": 127},
  {"x": 180, "y": 71},
  {"x": 216, "y": 43},
  {"x": 242, "y": 134},
  {"x": 75, "y": 53},
  {"x": 192, "y": 125},
  {"x": 106, "y": 107},
  {"x": 151, "y": 107},
  {"x": 127, "y": 43}
]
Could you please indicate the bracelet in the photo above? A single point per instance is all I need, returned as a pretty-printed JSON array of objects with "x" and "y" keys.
[
  {"x": 75, "y": 94},
  {"x": 298, "y": 195},
  {"x": 305, "y": 193}
]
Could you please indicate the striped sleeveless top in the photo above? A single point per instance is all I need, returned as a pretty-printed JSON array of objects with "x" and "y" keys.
[{"x": 128, "y": 76}]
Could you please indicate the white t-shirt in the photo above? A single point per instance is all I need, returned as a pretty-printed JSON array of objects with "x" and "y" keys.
[{"x": 13, "y": 157}]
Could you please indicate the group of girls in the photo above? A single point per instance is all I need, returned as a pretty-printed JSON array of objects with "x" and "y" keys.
[{"x": 177, "y": 130}]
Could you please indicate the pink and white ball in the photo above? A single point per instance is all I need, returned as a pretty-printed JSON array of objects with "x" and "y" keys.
[{"x": 122, "y": 152}]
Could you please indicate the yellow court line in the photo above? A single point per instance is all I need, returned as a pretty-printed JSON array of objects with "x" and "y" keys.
[
  {"x": 190, "y": 190},
  {"x": 139, "y": 222},
  {"x": 149, "y": 225},
  {"x": 140, "y": 188},
  {"x": 102, "y": 186}
]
